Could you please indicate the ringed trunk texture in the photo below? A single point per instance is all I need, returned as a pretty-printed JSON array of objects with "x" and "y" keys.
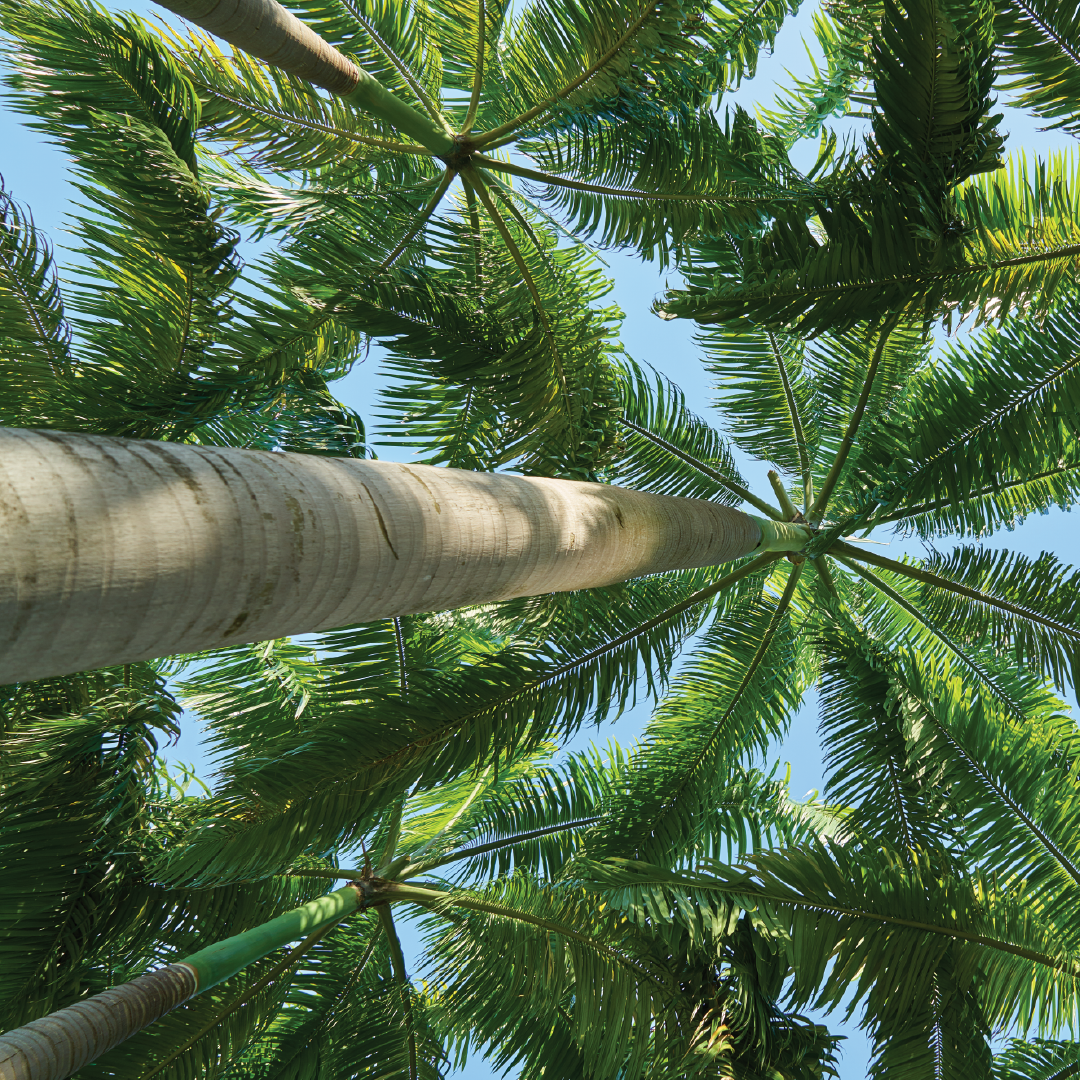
[
  {"x": 61, "y": 1043},
  {"x": 118, "y": 550},
  {"x": 58, "y": 1045}
]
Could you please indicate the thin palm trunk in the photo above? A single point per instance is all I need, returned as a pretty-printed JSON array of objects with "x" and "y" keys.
[
  {"x": 117, "y": 550},
  {"x": 58, "y": 1045}
]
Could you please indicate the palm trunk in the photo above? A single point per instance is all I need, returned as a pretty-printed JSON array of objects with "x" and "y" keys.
[
  {"x": 58, "y": 1045},
  {"x": 118, "y": 550},
  {"x": 263, "y": 28}
]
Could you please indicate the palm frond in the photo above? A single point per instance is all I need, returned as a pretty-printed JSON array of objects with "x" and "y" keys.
[
  {"x": 666, "y": 448},
  {"x": 1039, "y": 47},
  {"x": 990, "y": 432},
  {"x": 36, "y": 335},
  {"x": 744, "y": 680},
  {"x": 1047, "y": 640}
]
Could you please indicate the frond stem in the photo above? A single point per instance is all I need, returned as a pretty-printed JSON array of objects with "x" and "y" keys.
[
  {"x": 397, "y": 962},
  {"x": 817, "y": 510},
  {"x": 600, "y": 189},
  {"x": 938, "y": 582},
  {"x": 399, "y": 639},
  {"x": 786, "y": 900},
  {"x": 478, "y": 71},
  {"x": 495, "y": 845},
  {"x": 472, "y": 174},
  {"x": 474, "y": 228},
  {"x": 744, "y": 682},
  {"x": 402, "y": 68},
  {"x": 420, "y": 221},
  {"x": 735, "y": 488},
  {"x": 796, "y": 424},
  {"x": 904, "y": 604},
  {"x": 489, "y": 139},
  {"x": 393, "y": 833}
]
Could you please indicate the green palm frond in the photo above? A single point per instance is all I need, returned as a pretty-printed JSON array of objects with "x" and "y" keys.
[
  {"x": 859, "y": 920},
  {"x": 803, "y": 111},
  {"x": 738, "y": 690},
  {"x": 1003, "y": 241},
  {"x": 528, "y": 818},
  {"x": 1041, "y": 633},
  {"x": 36, "y": 334},
  {"x": 933, "y": 73},
  {"x": 481, "y": 378},
  {"x": 562, "y": 954},
  {"x": 945, "y": 1035},
  {"x": 650, "y": 185},
  {"x": 746, "y": 30},
  {"x": 867, "y": 714},
  {"x": 984, "y": 437},
  {"x": 560, "y": 59},
  {"x": 83, "y": 816},
  {"x": 1039, "y": 1059},
  {"x": 889, "y": 605},
  {"x": 667, "y": 448},
  {"x": 1018, "y": 802},
  {"x": 343, "y": 1015},
  {"x": 409, "y": 51},
  {"x": 765, "y": 391},
  {"x": 354, "y": 754},
  {"x": 78, "y": 754},
  {"x": 281, "y": 124},
  {"x": 1039, "y": 45}
]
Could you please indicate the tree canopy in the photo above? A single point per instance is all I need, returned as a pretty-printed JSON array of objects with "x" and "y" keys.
[{"x": 653, "y": 910}]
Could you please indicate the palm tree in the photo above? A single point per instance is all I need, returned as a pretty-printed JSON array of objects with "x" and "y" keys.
[
  {"x": 485, "y": 860},
  {"x": 554, "y": 419},
  {"x": 120, "y": 550},
  {"x": 949, "y": 907},
  {"x": 923, "y": 660}
]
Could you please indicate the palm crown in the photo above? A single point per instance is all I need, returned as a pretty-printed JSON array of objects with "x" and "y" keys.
[{"x": 603, "y": 892}]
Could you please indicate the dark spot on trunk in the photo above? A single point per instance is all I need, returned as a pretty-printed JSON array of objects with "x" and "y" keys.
[{"x": 382, "y": 524}]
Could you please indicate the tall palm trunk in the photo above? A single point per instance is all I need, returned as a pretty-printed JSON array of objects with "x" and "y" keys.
[
  {"x": 116, "y": 550},
  {"x": 58, "y": 1045}
]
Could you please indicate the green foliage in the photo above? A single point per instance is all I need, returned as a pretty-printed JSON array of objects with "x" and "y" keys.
[
  {"x": 1040, "y": 49},
  {"x": 663, "y": 910}
]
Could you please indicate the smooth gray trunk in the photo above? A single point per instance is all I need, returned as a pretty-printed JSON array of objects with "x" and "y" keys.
[{"x": 117, "y": 550}]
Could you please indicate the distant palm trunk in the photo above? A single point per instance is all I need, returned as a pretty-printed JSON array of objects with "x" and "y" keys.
[
  {"x": 263, "y": 28},
  {"x": 61, "y": 1043},
  {"x": 116, "y": 550}
]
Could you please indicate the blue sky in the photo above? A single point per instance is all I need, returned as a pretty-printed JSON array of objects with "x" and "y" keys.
[{"x": 37, "y": 174}]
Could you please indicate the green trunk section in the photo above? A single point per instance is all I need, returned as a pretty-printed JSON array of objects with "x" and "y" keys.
[
  {"x": 371, "y": 96},
  {"x": 222, "y": 960},
  {"x": 782, "y": 535}
]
